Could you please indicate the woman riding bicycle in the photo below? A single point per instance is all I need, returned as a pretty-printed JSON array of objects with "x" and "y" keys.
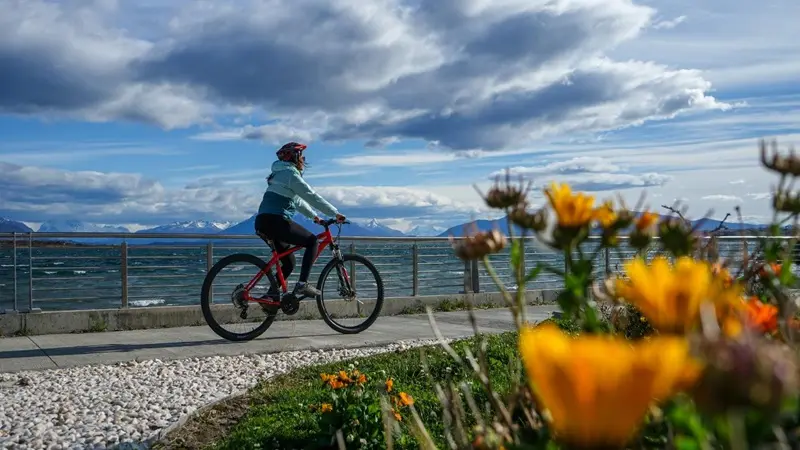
[{"x": 287, "y": 193}]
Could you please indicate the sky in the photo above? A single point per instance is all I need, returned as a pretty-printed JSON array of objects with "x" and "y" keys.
[{"x": 148, "y": 112}]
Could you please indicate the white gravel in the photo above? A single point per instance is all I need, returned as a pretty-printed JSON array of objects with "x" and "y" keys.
[{"x": 129, "y": 403}]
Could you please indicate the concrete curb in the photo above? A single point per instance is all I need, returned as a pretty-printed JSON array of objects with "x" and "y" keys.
[
  {"x": 162, "y": 434},
  {"x": 125, "y": 319}
]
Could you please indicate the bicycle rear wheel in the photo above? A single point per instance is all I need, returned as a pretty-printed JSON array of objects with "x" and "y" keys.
[
  {"x": 353, "y": 271},
  {"x": 232, "y": 307}
]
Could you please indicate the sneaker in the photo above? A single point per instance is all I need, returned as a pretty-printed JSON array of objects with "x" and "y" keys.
[{"x": 305, "y": 289}]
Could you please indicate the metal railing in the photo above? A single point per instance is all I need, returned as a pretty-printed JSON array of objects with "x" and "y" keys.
[{"x": 61, "y": 271}]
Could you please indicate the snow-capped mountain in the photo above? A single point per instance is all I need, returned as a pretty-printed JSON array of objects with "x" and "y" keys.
[
  {"x": 377, "y": 228},
  {"x": 76, "y": 226},
  {"x": 351, "y": 230},
  {"x": 190, "y": 227},
  {"x": 425, "y": 230},
  {"x": 12, "y": 226}
]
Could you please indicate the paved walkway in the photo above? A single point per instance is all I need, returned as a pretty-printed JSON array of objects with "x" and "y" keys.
[{"x": 69, "y": 350}]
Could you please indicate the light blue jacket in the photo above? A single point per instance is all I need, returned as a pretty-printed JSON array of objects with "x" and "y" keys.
[{"x": 288, "y": 192}]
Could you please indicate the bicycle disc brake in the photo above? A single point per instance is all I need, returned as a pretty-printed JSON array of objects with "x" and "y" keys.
[
  {"x": 347, "y": 294},
  {"x": 290, "y": 304}
]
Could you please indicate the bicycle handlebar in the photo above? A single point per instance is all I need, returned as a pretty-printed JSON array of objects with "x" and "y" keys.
[{"x": 329, "y": 222}]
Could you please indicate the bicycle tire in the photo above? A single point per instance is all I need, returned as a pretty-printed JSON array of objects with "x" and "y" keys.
[
  {"x": 205, "y": 300},
  {"x": 378, "y": 301}
]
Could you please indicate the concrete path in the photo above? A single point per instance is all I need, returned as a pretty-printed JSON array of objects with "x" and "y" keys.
[{"x": 69, "y": 350}]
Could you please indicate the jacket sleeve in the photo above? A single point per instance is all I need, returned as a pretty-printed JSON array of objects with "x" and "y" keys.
[
  {"x": 305, "y": 192},
  {"x": 305, "y": 209}
]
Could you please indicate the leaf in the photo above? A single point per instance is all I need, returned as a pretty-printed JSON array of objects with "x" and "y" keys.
[
  {"x": 516, "y": 253},
  {"x": 533, "y": 273}
]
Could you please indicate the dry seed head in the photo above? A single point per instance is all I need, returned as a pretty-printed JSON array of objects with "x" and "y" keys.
[
  {"x": 502, "y": 197},
  {"x": 531, "y": 221},
  {"x": 480, "y": 244},
  {"x": 784, "y": 202},
  {"x": 785, "y": 165}
]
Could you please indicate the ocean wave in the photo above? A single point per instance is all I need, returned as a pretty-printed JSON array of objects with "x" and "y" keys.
[
  {"x": 58, "y": 263},
  {"x": 79, "y": 272},
  {"x": 50, "y": 272},
  {"x": 148, "y": 302}
]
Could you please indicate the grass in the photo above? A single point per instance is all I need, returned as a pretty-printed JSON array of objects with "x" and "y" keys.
[
  {"x": 279, "y": 416},
  {"x": 276, "y": 413}
]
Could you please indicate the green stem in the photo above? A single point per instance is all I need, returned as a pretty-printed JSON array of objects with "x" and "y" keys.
[
  {"x": 522, "y": 286},
  {"x": 506, "y": 296}
]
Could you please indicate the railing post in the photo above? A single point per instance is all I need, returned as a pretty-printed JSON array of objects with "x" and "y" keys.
[
  {"x": 607, "y": 258},
  {"x": 209, "y": 265},
  {"x": 123, "y": 250},
  {"x": 467, "y": 277},
  {"x": 14, "y": 263},
  {"x": 475, "y": 276},
  {"x": 353, "y": 266},
  {"x": 30, "y": 274},
  {"x": 414, "y": 270}
]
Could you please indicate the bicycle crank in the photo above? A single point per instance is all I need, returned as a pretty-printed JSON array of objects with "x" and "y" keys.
[{"x": 290, "y": 304}]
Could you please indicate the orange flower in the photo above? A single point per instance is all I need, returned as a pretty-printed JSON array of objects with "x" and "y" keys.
[
  {"x": 397, "y": 415},
  {"x": 389, "y": 384},
  {"x": 579, "y": 380},
  {"x": 343, "y": 377},
  {"x": 326, "y": 407},
  {"x": 335, "y": 383},
  {"x": 406, "y": 399},
  {"x": 762, "y": 316},
  {"x": 646, "y": 221},
  {"x": 775, "y": 267}
]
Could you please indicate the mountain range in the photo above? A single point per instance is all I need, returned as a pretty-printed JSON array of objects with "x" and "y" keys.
[
  {"x": 371, "y": 228},
  {"x": 702, "y": 225}
]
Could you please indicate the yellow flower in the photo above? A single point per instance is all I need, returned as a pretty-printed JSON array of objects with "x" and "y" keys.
[
  {"x": 326, "y": 407},
  {"x": 572, "y": 210},
  {"x": 646, "y": 221},
  {"x": 669, "y": 296},
  {"x": 605, "y": 214},
  {"x": 598, "y": 388}
]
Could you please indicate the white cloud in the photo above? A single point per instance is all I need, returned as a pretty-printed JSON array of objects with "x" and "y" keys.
[
  {"x": 587, "y": 173},
  {"x": 394, "y": 202},
  {"x": 36, "y": 194},
  {"x": 669, "y": 24},
  {"x": 722, "y": 198},
  {"x": 580, "y": 164},
  {"x": 462, "y": 74}
]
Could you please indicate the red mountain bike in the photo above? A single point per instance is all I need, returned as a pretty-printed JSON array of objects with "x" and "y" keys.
[{"x": 277, "y": 298}]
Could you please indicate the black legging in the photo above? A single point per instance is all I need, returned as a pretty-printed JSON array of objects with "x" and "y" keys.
[{"x": 285, "y": 234}]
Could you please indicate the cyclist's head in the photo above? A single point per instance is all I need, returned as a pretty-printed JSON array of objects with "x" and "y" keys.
[{"x": 292, "y": 152}]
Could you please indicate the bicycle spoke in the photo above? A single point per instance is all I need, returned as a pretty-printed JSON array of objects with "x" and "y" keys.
[{"x": 350, "y": 302}]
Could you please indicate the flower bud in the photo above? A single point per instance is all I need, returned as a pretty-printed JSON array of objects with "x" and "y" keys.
[
  {"x": 531, "y": 221},
  {"x": 745, "y": 373}
]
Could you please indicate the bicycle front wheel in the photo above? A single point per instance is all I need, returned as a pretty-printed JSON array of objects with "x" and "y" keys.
[{"x": 351, "y": 294}]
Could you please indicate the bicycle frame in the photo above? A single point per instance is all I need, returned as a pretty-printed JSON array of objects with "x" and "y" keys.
[{"x": 325, "y": 239}]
